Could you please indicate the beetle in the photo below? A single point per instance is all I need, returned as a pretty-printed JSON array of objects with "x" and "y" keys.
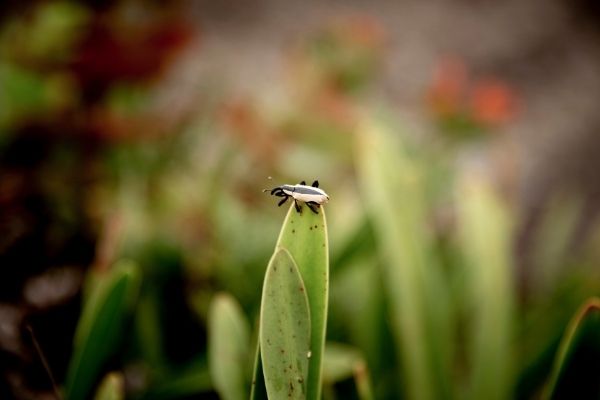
[{"x": 312, "y": 196}]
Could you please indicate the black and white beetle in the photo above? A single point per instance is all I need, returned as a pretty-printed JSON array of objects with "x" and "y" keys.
[{"x": 311, "y": 195}]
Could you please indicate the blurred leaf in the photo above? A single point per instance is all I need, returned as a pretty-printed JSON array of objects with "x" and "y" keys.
[
  {"x": 305, "y": 237},
  {"x": 245, "y": 239},
  {"x": 360, "y": 241},
  {"x": 27, "y": 94},
  {"x": 553, "y": 242},
  {"x": 341, "y": 362},
  {"x": 542, "y": 326},
  {"x": 485, "y": 239},
  {"x": 358, "y": 313},
  {"x": 111, "y": 388},
  {"x": 577, "y": 363},
  {"x": 258, "y": 389},
  {"x": 100, "y": 327},
  {"x": 187, "y": 383},
  {"x": 46, "y": 34},
  {"x": 228, "y": 341},
  {"x": 284, "y": 329},
  {"x": 363, "y": 381},
  {"x": 392, "y": 184},
  {"x": 148, "y": 327}
]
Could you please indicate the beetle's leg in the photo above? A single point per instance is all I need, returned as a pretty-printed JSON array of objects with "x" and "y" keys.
[
  {"x": 298, "y": 208},
  {"x": 303, "y": 183},
  {"x": 315, "y": 184},
  {"x": 314, "y": 207},
  {"x": 275, "y": 190},
  {"x": 281, "y": 194},
  {"x": 283, "y": 201}
]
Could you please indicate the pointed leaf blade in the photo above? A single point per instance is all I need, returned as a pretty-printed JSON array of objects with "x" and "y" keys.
[
  {"x": 578, "y": 359},
  {"x": 304, "y": 235},
  {"x": 100, "y": 327},
  {"x": 284, "y": 329},
  {"x": 229, "y": 341}
]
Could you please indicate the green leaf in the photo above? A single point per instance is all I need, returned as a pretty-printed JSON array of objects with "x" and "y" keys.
[
  {"x": 393, "y": 186},
  {"x": 284, "y": 329},
  {"x": 357, "y": 305},
  {"x": 148, "y": 327},
  {"x": 228, "y": 347},
  {"x": 342, "y": 362},
  {"x": 485, "y": 231},
  {"x": 258, "y": 390},
  {"x": 189, "y": 382},
  {"x": 360, "y": 243},
  {"x": 305, "y": 237},
  {"x": 339, "y": 362},
  {"x": 111, "y": 388},
  {"x": 100, "y": 328},
  {"x": 578, "y": 359}
]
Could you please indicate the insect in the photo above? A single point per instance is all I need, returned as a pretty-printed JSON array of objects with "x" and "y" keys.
[{"x": 312, "y": 196}]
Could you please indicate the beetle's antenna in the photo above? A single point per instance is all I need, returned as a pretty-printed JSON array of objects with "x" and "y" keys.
[{"x": 269, "y": 178}]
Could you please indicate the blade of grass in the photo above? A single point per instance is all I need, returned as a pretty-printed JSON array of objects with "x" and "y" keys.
[
  {"x": 192, "y": 381},
  {"x": 357, "y": 303},
  {"x": 305, "y": 237},
  {"x": 360, "y": 243},
  {"x": 484, "y": 227},
  {"x": 111, "y": 388},
  {"x": 284, "y": 329},
  {"x": 148, "y": 327},
  {"x": 362, "y": 379},
  {"x": 258, "y": 390},
  {"x": 99, "y": 330},
  {"x": 228, "y": 347},
  {"x": 392, "y": 184},
  {"x": 578, "y": 359},
  {"x": 341, "y": 362}
]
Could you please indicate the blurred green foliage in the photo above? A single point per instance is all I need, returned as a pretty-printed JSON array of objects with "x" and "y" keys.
[{"x": 426, "y": 297}]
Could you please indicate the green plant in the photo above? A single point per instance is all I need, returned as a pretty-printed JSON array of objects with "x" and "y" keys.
[
  {"x": 112, "y": 387},
  {"x": 294, "y": 311},
  {"x": 229, "y": 343},
  {"x": 394, "y": 190},
  {"x": 100, "y": 328},
  {"x": 577, "y": 359}
]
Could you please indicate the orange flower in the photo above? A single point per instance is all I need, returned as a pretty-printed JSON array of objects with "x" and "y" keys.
[{"x": 492, "y": 102}]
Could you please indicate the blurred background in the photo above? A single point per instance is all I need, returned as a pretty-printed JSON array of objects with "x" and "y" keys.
[{"x": 146, "y": 131}]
